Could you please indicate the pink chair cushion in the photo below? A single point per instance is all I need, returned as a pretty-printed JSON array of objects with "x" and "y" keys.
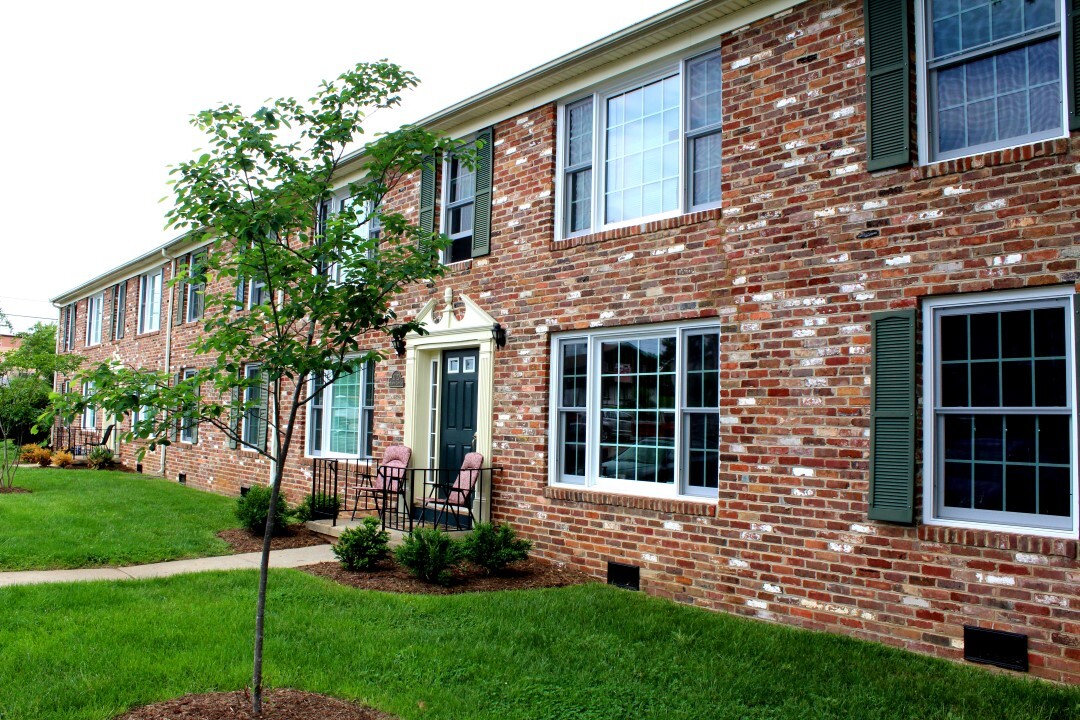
[
  {"x": 466, "y": 479},
  {"x": 390, "y": 475},
  {"x": 399, "y": 453}
]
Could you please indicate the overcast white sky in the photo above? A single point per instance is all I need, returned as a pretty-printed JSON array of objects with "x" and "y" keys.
[{"x": 96, "y": 98}]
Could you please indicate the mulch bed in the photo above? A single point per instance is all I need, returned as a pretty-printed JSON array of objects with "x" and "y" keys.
[
  {"x": 391, "y": 577},
  {"x": 277, "y": 705},
  {"x": 13, "y": 490},
  {"x": 244, "y": 542}
]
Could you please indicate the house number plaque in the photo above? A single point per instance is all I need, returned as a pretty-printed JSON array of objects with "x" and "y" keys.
[{"x": 396, "y": 380}]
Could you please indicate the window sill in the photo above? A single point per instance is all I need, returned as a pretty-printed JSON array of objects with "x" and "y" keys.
[
  {"x": 999, "y": 540},
  {"x": 677, "y": 506},
  {"x": 1020, "y": 153},
  {"x": 670, "y": 223}
]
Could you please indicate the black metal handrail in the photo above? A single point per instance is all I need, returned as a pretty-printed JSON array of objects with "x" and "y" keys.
[
  {"x": 363, "y": 490},
  {"x": 76, "y": 440}
]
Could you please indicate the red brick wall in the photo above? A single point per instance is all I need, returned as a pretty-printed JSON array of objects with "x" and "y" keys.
[{"x": 806, "y": 246}]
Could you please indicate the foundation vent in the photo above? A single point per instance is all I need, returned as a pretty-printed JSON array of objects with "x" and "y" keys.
[
  {"x": 995, "y": 647},
  {"x": 627, "y": 577}
]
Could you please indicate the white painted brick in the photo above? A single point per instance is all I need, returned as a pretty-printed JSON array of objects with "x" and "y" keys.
[
  {"x": 802, "y": 492},
  {"x": 991, "y": 205},
  {"x": 784, "y": 102},
  {"x": 899, "y": 260},
  {"x": 1051, "y": 600},
  {"x": 841, "y": 547},
  {"x": 1032, "y": 559},
  {"x": 915, "y": 601},
  {"x": 747, "y": 535},
  {"x": 669, "y": 525},
  {"x": 745, "y": 401},
  {"x": 842, "y": 257},
  {"x": 770, "y": 588},
  {"x": 865, "y": 529},
  {"x": 995, "y": 579},
  {"x": 843, "y": 113},
  {"x": 735, "y": 563},
  {"x": 758, "y": 604},
  {"x": 761, "y": 527},
  {"x": 741, "y": 280}
]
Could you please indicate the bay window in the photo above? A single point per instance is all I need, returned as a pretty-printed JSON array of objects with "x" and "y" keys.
[
  {"x": 642, "y": 149},
  {"x": 341, "y": 415},
  {"x": 637, "y": 410}
]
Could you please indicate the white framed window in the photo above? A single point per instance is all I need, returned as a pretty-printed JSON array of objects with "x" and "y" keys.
[
  {"x": 195, "y": 291},
  {"x": 341, "y": 415},
  {"x": 253, "y": 422},
  {"x": 459, "y": 203},
  {"x": 89, "y": 416},
  {"x": 188, "y": 425},
  {"x": 95, "y": 312},
  {"x": 70, "y": 316},
  {"x": 641, "y": 148},
  {"x": 119, "y": 310},
  {"x": 636, "y": 410},
  {"x": 990, "y": 75},
  {"x": 999, "y": 416},
  {"x": 150, "y": 301},
  {"x": 368, "y": 228},
  {"x": 257, "y": 294}
]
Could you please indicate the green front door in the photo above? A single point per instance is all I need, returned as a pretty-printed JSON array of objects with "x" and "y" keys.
[{"x": 457, "y": 414}]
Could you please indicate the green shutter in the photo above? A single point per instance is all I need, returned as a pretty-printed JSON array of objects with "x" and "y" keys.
[
  {"x": 264, "y": 411},
  {"x": 427, "y": 195},
  {"x": 892, "y": 417},
  {"x": 481, "y": 241},
  {"x": 1072, "y": 32},
  {"x": 888, "y": 83},
  {"x": 181, "y": 290},
  {"x": 234, "y": 419}
]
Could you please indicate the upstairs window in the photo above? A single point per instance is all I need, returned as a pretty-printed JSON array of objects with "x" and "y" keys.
[
  {"x": 70, "y": 313},
  {"x": 254, "y": 421},
  {"x": 643, "y": 149},
  {"x": 195, "y": 290},
  {"x": 460, "y": 196},
  {"x": 991, "y": 74},
  {"x": 95, "y": 311},
  {"x": 150, "y": 302},
  {"x": 189, "y": 427}
]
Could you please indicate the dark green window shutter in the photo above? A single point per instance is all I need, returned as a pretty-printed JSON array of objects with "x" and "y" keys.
[
  {"x": 892, "y": 417},
  {"x": 1072, "y": 32},
  {"x": 888, "y": 83},
  {"x": 181, "y": 290},
  {"x": 427, "y": 195},
  {"x": 234, "y": 419},
  {"x": 481, "y": 241},
  {"x": 264, "y": 411}
]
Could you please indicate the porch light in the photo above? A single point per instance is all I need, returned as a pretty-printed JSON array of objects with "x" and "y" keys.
[
  {"x": 399, "y": 345},
  {"x": 498, "y": 334}
]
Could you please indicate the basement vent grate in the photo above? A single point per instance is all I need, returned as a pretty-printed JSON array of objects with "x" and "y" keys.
[
  {"x": 996, "y": 647},
  {"x": 138, "y": 467},
  {"x": 182, "y": 478},
  {"x": 627, "y": 577},
  {"x": 244, "y": 490}
]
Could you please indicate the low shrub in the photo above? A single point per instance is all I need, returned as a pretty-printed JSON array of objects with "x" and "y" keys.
[
  {"x": 100, "y": 458},
  {"x": 360, "y": 548},
  {"x": 45, "y": 457},
  {"x": 429, "y": 553},
  {"x": 28, "y": 454},
  {"x": 495, "y": 546},
  {"x": 252, "y": 509},
  {"x": 61, "y": 459},
  {"x": 324, "y": 502}
]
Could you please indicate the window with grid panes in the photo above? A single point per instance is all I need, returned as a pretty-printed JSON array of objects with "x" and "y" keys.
[
  {"x": 992, "y": 72},
  {"x": 637, "y": 410},
  {"x": 341, "y": 415},
  {"x": 647, "y": 149},
  {"x": 1003, "y": 414}
]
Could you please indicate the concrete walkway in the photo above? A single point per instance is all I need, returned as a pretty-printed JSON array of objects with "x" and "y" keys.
[{"x": 294, "y": 557}]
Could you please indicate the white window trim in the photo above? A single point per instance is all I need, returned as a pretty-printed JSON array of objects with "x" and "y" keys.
[
  {"x": 144, "y": 300},
  {"x": 929, "y": 361},
  {"x": 95, "y": 317},
  {"x": 193, "y": 289},
  {"x": 599, "y": 93},
  {"x": 119, "y": 319},
  {"x": 922, "y": 89},
  {"x": 327, "y": 405},
  {"x": 187, "y": 431},
  {"x": 89, "y": 416},
  {"x": 444, "y": 206},
  {"x": 249, "y": 370},
  {"x": 593, "y": 481}
]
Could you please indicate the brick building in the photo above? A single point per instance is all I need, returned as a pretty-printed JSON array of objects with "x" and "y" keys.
[{"x": 789, "y": 297}]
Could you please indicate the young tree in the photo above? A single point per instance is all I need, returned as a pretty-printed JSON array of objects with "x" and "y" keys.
[
  {"x": 26, "y": 379},
  {"x": 315, "y": 285}
]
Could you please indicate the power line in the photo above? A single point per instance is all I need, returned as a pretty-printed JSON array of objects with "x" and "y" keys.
[{"x": 28, "y": 317}]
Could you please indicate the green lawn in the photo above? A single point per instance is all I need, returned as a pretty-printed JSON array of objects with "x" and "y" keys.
[
  {"x": 90, "y": 518},
  {"x": 92, "y": 650}
]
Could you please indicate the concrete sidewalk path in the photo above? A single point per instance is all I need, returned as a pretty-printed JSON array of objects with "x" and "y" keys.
[{"x": 294, "y": 557}]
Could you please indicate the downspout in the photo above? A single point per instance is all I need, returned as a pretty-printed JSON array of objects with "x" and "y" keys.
[{"x": 168, "y": 337}]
